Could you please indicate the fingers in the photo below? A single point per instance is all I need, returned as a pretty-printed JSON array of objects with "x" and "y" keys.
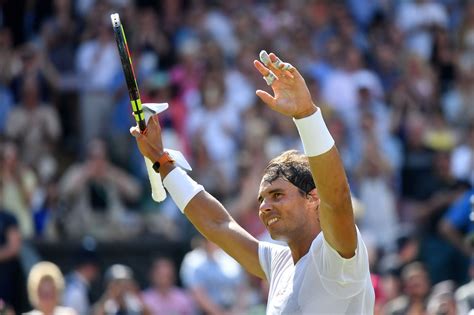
[
  {"x": 268, "y": 75},
  {"x": 274, "y": 63},
  {"x": 266, "y": 98},
  {"x": 288, "y": 68},
  {"x": 135, "y": 131},
  {"x": 272, "y": 68},
  {"x": 265, "y": 58},
  {"x": 153, "y": 123},
  {"x": 155, "y": 119},
  {"x": 280, "y": 65}
]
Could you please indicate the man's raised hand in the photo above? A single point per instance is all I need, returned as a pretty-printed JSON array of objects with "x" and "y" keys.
[{"x": 291, "y": 95}]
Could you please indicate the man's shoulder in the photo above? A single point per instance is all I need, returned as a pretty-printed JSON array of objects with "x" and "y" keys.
[{"x": 273, "y": 249}]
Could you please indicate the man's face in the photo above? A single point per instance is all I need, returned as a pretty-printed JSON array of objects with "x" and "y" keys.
[{"x": 285, "y": 211}]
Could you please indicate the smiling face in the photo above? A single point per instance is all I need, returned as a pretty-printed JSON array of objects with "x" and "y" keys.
[
  {"x": 287, "y": 212},
  {"x": 47, "y": 295}
]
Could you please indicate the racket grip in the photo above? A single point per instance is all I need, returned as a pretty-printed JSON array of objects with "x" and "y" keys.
[{"x": 158, "y": 192}]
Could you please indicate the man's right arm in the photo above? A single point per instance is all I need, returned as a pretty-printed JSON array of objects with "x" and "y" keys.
[
  {"x": 203, "y": 210},
  {"x": 213, "y": 221}
]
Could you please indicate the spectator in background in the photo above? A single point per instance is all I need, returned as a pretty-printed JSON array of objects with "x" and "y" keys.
[
  {"x": 97, "y": 63},
  {"x": 48, "y": 212},
  {"x": 34, "y": 66},
  {"x": 192, "y": 259},
  {"x": 375, "y": 177},
  {"x": 150, "y": 41},
  {"x": 458, "y": 101},
  {"x": 420, "y": 82},
  {"x": 443, "y": 60},
  {"x": 97, "y": 193},
  {"x": 8, "y": 62},
  {"x": 45, "y": 287},
  {"x": 466, "y": 30},
  {"x": 35, "y": 126},
  {"x": 441, "y": 300},
  {"x": 121, "y": 296},
  {"x": 339, "y": 89},
  {"x": 464, "y": 295},
  {"x": 416, "y": 287},
  {"x": 78, "y": 282},
  {"x": 457, "y": 225},
  {"x": 442, "y": 190},
  {"x": 60, "y": 35},
  {"x": 439, "y": 136},
  {"x": 416, "y": 19},
  {"x": 163, "y": 297},
  {"x": 213, "y": 128},
  {"x": 17, "y": 186},
  {"x": 215, "y": 280},
  {"x": 462, "y": 161},
  {"x": 12, "y": 289},
  {"x": 417, "y": 159},
  {"x": 5, "y": 309}
]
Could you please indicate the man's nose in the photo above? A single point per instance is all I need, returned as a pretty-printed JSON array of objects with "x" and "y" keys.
[{"x": 265, "y": 206}]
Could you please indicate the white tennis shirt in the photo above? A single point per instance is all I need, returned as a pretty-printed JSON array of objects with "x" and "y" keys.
[{"x": 322, "y": 282}]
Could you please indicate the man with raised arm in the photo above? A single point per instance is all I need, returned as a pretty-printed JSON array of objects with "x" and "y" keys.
[{"x": 318, "y": 273}]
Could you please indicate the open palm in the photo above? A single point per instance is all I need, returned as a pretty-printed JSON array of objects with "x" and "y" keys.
[{"x": 291, "y": 95}]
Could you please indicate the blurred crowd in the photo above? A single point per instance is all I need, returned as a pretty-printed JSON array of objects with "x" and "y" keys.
[{"x": 394, "y": 79}]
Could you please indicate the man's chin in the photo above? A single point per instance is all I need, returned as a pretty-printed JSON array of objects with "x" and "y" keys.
[{"x": 278, "y": 237}]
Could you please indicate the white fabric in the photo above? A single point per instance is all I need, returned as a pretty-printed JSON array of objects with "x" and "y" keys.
[
  {"x": 322, "y": 282},
  {"x": 181, "y": 187},
  {"x": 158, "y": 192},
  {"x": 314, "y": 134}
]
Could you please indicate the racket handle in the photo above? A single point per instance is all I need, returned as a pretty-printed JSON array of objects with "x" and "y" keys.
[{"x": 158, "y": 192}]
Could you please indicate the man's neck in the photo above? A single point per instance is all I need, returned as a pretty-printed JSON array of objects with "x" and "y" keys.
[{"x": 300, "y": 247}]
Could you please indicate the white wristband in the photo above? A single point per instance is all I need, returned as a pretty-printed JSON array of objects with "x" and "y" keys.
[
  {"x": 181, "y": 187},
  {"x": 314, "y": 134}
]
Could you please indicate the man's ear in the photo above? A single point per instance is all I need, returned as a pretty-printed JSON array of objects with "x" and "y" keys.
[
  {"x": 313, "y": 195},
  {"x": 313, "y": 198}
]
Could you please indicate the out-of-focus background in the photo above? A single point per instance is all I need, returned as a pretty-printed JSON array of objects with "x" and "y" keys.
[{"x": 395, "y": 80}]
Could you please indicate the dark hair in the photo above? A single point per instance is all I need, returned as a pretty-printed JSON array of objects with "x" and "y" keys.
[{"x": 293, "y": 167}]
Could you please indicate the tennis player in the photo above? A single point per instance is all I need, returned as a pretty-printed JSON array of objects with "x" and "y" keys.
[{"x": 324, "y": 269}]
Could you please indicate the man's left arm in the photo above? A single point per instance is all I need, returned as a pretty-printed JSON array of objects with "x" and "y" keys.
[
  {"x": 292, "y": 98},
  {"x": 335, "y": 210}
]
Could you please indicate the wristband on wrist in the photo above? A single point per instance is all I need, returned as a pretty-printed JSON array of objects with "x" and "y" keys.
[
  {"x": 181, "y": 187},
  {"x": 314, "y": 134},
  {"x": 164, "y": 158}
]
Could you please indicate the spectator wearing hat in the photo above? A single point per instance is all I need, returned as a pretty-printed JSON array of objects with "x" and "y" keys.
[{"x": 45, "y": 286}]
